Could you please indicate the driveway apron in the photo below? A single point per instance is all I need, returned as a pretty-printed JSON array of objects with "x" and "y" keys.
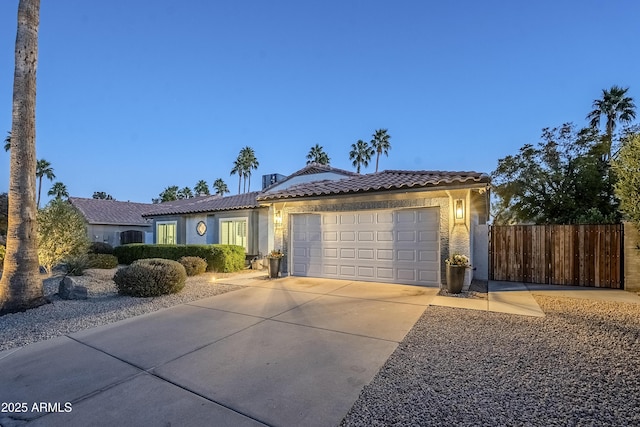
[{"x": 293, "y": 351}]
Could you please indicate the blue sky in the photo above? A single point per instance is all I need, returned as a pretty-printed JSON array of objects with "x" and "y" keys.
[{"x": 133, "y": 98}]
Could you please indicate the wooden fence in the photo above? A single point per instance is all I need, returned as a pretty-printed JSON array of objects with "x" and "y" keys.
[{"x": 585, "y": 255}]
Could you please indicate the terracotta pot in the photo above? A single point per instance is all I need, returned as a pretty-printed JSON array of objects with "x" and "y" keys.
[{"x": 455, "y": 278}]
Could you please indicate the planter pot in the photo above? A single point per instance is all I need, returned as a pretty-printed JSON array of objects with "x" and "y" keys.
[
  {"x": 274, "y": 267},
  {"x": 455, "y": 278}
]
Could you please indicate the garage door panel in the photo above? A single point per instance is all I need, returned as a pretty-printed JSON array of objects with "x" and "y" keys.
[{"x": 399, "y": 246}]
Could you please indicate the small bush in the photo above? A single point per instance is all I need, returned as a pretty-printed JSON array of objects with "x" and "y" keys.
[
  {"x": 3, "y": 250},
  {"x": 100, "y": 248},
  {"x": 76, "y": 265},
  {"x": 194, "y": 265},
  {"x": 150, "y": 278},
  {"x": 106, "y": 261}
]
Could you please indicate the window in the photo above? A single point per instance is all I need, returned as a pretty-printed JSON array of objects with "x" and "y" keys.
[
  {"x": 166, "y": 232},
  {"x": 233, "y": 231}
]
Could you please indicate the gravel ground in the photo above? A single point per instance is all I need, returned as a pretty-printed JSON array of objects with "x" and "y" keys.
[
  {"x": 578, "y": 366},
  {"x": 103, "y": 306}
]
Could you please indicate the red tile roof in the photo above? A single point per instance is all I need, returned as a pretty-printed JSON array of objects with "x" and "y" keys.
[{"x": 375, "y": 182}]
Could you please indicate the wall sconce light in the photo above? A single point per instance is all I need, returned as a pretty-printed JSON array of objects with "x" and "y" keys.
[
  {"x": 277, "y": 219},
  {"x": 459, "y": 210}
]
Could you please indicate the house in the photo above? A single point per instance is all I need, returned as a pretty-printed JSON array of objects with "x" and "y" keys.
[
  {"x": 114, "y": 222},
  {"x": 391, "y": 226}
]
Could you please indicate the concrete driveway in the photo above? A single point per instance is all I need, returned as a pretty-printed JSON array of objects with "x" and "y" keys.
[{"x": 287, "y": 352}]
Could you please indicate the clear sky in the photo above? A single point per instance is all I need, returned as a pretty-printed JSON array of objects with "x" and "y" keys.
[{"x": 135, "y": 95}]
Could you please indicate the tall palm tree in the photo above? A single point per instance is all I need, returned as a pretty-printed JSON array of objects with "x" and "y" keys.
[
  {"x": 201, "y": 188},
  {"x": 58, "y": 190},
  {"x": 361, "y": 154},
  {"x": 43, "y": 169},
  {"x": 220, "y": 187},
  {"x": 380, "y": 143},
  {"x": 615, "y": 106},
  {"x": 21, "y": 285},
  {"x": 318, "y": 155},
  {"x": 249, "y": 162},
  {"x": 238, "y": 169},
  {"x": 7, "y": 142}
]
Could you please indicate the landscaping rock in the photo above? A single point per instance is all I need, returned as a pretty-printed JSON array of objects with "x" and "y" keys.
[{"x": 69, "y": 289}]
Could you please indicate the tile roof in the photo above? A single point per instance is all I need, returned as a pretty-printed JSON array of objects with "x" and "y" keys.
[
  {"x": 381, "y": 181},
  {"x": 204, "y": 204},
  {"x": 111, "y": 212}
]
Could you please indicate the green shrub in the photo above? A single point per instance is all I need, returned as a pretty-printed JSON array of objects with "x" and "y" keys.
[
  {"x": 3, "y": 250},
  {"x": 100, "y": 248},
  {"x": 194, "y": 265},
  {"x": 150, "y": 278},
  {"x": 77, "y": 264},
  {"x": 106, "y": 261},
  {"x": 220, "y": 258}
]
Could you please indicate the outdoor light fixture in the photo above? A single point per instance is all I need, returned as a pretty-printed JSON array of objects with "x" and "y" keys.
[
  {"x": 459, "y": 209},
  {"x": 277, "y": 219}
]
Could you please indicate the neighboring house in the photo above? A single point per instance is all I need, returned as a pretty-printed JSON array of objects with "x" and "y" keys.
[
  {"x": 391, "y": 226},
  {"x": 114, "y": 222}
]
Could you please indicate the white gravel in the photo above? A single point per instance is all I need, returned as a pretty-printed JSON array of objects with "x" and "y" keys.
[
  {"x": 578, "y": 366},
  {"x": 103, "y": 306}
]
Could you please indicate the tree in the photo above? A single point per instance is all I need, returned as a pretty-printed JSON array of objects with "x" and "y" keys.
[
  {"x": 380, "y": 143},
  {"x": 562, "y": 180},
  {"x": 62, "y": 234},
  {"x": 43, "y": 169},
  {"x": 169, "y": 194},
  {"x": 21, "y": 286},
  {"x": 249, "y": 162},
  {"x": 317, "y": 155},
  {"x": 220, "y": 187},
  {"x": 58, "y": 190},
  {"x": 615, "y": 106},
  {"x": 102, "y": 195},
  {"x": 184, "y": 193},
  {"x": 7, "y": 142},
  {"x": 627, "y": 168},
  {"x": 201, "y": 188},
  {"x": 237, "y": 169},
  {"x": 361, "y": 154}
]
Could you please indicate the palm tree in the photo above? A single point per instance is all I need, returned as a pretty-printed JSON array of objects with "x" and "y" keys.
[
  {"x": 201, "y": 188},
  {"x": 21, "y": 285},
  {"x": 317, "y": 155},
  {"x": 250, "y": 162},
  {"x": 380, "y": 143},
  {"x": 615, "y": 106},
  {"x": 58, "y": 190},
  {"x": 43, "y": 169},
  {"x": 220, "y": 187},
  {"x": 7, "y": 142},
  {"x": 237, "y": 168},
  {"x": 102, "y": 195},
  {"x": 185, "y": 193},
  {"x": 169, "y": 194},
  {"x": 361, "y": 154}
]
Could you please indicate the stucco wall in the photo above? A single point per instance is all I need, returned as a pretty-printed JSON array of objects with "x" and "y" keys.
[
  {"x": 193, "y": 237},
  {"x": 631, "y": 258},
  {"x": 480, "y": 259}
]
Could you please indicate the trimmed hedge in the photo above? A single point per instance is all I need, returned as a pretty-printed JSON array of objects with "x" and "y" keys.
[
  {"x": 100, "y": 248},
  {"x": 194, "y": 265},
  {"x": 220, "y": 258},
  {"x": 150, "y": 278},
  {"x": 104, "y": 261}
]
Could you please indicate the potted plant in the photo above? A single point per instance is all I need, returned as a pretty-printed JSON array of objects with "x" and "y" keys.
[
  {"x": 274, "y": 257},
  {"x": 457, "y": 265}
]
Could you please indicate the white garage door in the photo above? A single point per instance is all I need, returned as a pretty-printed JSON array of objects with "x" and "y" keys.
[{"x": 394, "y": 246}]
